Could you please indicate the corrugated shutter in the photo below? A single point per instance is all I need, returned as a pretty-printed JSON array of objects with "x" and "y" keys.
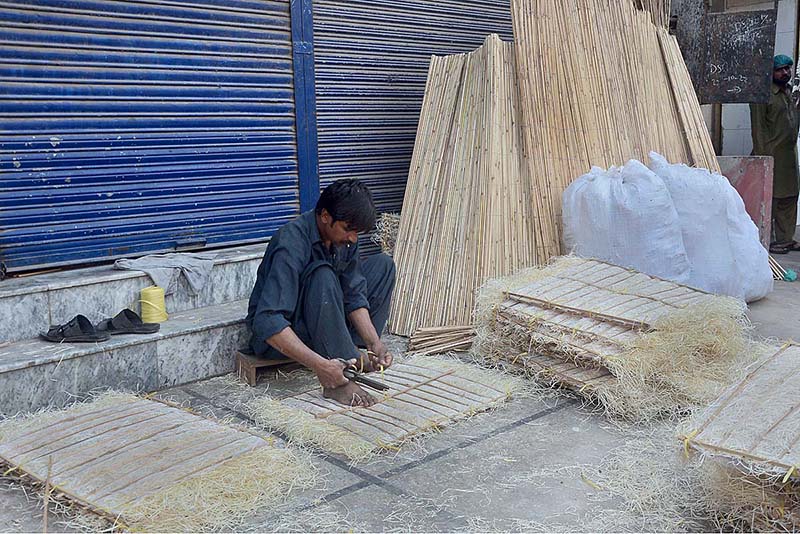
[
  {"x": 140, "y": 126},
  {"x": 371, "y": 62}
]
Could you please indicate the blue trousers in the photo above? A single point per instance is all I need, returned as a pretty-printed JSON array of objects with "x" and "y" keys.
[{"x": 320, "y": 320}]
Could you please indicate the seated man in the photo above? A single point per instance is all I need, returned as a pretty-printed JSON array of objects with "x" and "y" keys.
[{"x": 315, "y": 300}]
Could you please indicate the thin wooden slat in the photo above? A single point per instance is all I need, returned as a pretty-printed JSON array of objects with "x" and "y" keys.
[
  {"x": 186, "y": 471},
  {"x": 408, "y": 389},
  {"x": 92, "y": 440},
  {"x": 415, "y": 417},
  {"x": 313, "y": 403},
  {"x": 570, "y": 376},
  {"x": 437, "y": 388},
  {"x": 130, "y": 471},
  {"x": 139, "y": 448},
  {"x": 418, "y": 404},
  {"x": 393, "y": 429},
  {"x": 42, "y": 437}
]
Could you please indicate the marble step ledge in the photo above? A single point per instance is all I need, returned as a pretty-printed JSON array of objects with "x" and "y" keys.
[
  {"x": 191, "y": 345},
  {"x": 30, "y": 305}
]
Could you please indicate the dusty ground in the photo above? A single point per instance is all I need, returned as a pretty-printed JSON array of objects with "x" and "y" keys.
[{"x": 529, "y": 466}]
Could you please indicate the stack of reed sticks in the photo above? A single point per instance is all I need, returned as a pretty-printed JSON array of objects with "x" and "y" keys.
[
  {"x": 659, "y": 10},
  {"x": 439, "y": 340},
  {"x": 505, "y": 129}
]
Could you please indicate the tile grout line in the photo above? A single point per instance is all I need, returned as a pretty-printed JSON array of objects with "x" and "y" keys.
[
  {"x": 367, "y": 479},
  {"x": 475, "y": 440},
  {"x": 338, "y": 462},
  {"x": 381, "y": 480}
]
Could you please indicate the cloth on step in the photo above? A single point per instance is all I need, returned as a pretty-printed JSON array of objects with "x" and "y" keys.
[{"x": 165, "y": 269}]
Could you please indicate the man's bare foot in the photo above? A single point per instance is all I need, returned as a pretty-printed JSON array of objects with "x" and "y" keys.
[{"x": 350, "y": 394}]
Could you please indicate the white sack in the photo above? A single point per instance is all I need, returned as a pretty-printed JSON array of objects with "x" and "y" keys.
[
  {"x": 673, "y": 221},
  {"x": 721, "y": 240},
  {"x": 625, "y": 216}
]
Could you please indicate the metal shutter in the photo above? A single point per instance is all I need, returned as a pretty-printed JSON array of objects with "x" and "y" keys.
[
  {"x": 140, "y": 126},
  {"x": 371, "y": 62}
]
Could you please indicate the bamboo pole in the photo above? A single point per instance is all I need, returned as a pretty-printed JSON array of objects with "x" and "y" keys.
[{"x": 778, "y": 272}]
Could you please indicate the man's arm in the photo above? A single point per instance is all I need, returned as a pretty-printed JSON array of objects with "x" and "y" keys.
[
  {"x": 277, "y": 301},
  {"x": 329, "y": 372},
  {"x": 758, "y": 125},
  {"x": 356, "y": 306},
  {"x": 361, "y": 321}
]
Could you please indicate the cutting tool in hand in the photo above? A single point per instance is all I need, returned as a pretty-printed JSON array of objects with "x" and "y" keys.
[{"x": 351, "y": 373}]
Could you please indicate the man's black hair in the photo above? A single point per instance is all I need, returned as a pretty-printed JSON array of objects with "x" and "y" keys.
[{"x": 349, "y": 201}]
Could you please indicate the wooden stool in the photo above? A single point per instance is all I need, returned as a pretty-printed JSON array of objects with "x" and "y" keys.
[{"x": 247, "y": 366}]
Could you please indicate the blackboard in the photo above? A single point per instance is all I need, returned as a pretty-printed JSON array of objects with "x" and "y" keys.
[
  {"x": 738, "y": 59},
  {"x": 729, "y": 55}
]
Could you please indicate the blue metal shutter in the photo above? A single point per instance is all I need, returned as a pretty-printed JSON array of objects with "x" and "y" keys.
[
  {"x": 146, "y": 125},
  {"x": 371, "y": 61}
]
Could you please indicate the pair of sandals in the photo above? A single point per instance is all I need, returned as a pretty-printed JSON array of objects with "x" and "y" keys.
[
  {"x": 784, "y": 248},
  {"x": 79, "y": 329}
]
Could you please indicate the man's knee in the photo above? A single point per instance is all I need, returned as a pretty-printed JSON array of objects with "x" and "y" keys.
[
  {"x": 383, "y": 266},
  {"x": 321, "y": 279}
]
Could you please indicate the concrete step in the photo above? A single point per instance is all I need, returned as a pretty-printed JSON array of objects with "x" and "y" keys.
[
  {"x": 30, "y": 305},
  {"x": 192, "y": 345}
]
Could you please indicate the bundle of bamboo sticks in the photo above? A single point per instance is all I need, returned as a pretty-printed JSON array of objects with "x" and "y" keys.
[
  {"x": 438, "y": 340},
  {"x": 467, "y": 212},
  {"x": 600, "y": 84},
  {"x": 505, "y": 129},
  {"x": 659, "y": 10}
]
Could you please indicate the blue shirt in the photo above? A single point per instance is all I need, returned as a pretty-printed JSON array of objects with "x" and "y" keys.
[{"x": 274, "y": 301}]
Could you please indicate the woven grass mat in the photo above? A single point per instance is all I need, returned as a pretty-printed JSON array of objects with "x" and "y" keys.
[
  {"x": 757, "y": 420},
  {"x": 146, "y": 465},
  {"x": 425, "y": 393}
]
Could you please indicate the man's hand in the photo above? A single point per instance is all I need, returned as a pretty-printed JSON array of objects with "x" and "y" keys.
[
  {"x": 330, "y": 373},
  {"x": 379, "y": 355}
]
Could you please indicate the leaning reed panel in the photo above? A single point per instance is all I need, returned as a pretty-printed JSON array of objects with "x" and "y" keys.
[
  {"x": 468, "y": 213},
  {"x": 505, "y": 129}
]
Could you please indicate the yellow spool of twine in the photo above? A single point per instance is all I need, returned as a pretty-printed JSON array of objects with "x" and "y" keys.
[{"x": 154, "y": 310}]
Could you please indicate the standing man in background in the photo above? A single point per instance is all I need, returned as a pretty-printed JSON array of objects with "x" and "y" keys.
[{"x": 774, "y": 127}]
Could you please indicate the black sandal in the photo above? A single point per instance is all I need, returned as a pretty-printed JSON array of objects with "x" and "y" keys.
[
  {"x": 779, "y": 249},
  {"x": 78, "y": 330},
  {"x": 127, "y": 322}
]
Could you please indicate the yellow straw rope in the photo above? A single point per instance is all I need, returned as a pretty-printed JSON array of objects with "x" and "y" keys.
[{"x": 154, "y": 309}]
